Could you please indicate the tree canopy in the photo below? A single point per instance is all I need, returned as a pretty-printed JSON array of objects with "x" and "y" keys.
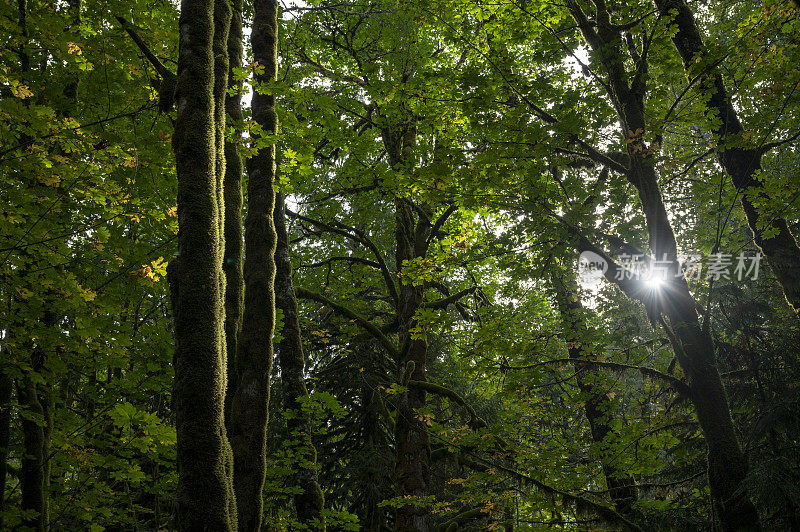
[{"x": 400, "y": 265}]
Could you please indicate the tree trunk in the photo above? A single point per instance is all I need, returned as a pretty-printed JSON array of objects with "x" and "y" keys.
[
  {"x": 205, "y": 494},
  {"x": 37, "y": 426},
  {"x": 232, "y": 263},
  {"x": 742, "y": 164},
  {"x": 6, "y": 385},
  {"x": 249, "y": 409},
  {"x": 622, "y": 488},
  {"x": 31, "y": 475},
  {"x": 310, "y": 502},
  {"x": 693, "y": 346},
  {"x": 412, "y": 453},
  {"x": 413, "y": 450}
]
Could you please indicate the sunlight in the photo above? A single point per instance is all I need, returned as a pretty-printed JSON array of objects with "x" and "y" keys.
[{"x": 655, "y": 283}]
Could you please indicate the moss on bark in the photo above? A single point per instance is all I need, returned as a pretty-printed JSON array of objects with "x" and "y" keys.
[
  {"x": 204, "y": 498},
  {"x": 250, "y": 403}
]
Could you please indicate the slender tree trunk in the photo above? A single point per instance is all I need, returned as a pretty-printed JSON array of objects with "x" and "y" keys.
[
  {"x": 742, "y": 164},
  {"x": 622, "y": 487},
  {"x": 31, "y": 475},
  {"x": 6, "y": 385},
  {"x": 232, "y": 265},
  {"x": 249, "y": 409},
  {"x": 37, "y": 426},
  {"x": 693, "y": 346},
  {"x": 310, "y": 502},
  {"x": 205, "y": 495}
]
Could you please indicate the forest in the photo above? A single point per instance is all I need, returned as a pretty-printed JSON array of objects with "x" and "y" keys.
[{"x": 411, "y": 265}]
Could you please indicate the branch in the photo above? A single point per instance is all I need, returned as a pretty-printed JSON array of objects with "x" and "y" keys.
[
  {"x": 476, "y": 422},
  {"x": 441, "y": 220},
  {"x": 322, "y": 70},
  {"x": 358, "y": 260},
  {"x": 443, "y": 303},
  {"x": 302, "y": 293},
  {"x": 678, "y": 385},
  {"x": 767, "y": 147},
  {"x": 162, "y": 70},
  {"x": 582, "y": 503},
  {"x": 354, "y": 234},
  {"x": 616, "y": 274}
]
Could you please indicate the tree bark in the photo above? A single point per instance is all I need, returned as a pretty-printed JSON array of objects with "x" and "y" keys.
[
  {"x": 310, "y": 502},
  {"x": 742, "y": 164},
  {"x": 205, "y": 493},
  {"x": 31, "y": 475},
  {"x": 249, "y": 409},
  {"x": 232, "y": 259},
  {"x": 622, "y": 487},
  {"x": 413, "y": 449}
]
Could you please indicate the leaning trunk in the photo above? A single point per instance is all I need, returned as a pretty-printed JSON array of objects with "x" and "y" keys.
[
  {"x": 597, "y": 404},
  {"x": 309, "y": 502},
  {"x": 742, "y": 164},
  {"x": 250, "y": 404}
]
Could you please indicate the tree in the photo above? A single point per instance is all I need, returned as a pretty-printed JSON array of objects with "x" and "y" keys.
[
  {"x": 205, "y": 492},
  {"x": 250, "y": 403}
]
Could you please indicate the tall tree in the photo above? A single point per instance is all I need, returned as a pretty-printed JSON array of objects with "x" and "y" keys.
[
  {"x": 205, "y": 493},
  {"x": 232, "y": 263},
  {"x": 692, "y": 343},
  {"x": 250, "y": 403}
]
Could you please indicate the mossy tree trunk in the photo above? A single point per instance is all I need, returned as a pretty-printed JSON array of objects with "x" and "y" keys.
[
  {"x": 693, "y": 346},
  {"x": 250, "y": 403},
  {"x": 310, "y": 501},
  {"x": 232, "y": 262},
  {"x": 742, "y": 164},
  {"x": 597, "y": 403},
  {"x": 205, "y": 493}
]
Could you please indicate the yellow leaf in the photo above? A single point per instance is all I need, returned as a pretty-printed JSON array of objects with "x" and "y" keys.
[
  {"x": 21, "y": 91},
  {"x": 73, "y": 48},
  {"x": 88, "y": 295}
]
